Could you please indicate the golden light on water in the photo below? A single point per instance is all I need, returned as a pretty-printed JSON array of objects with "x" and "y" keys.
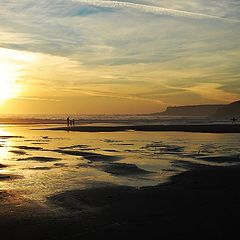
[
  {"x": 3, "y": 152},
  {"x": 3, "y": 144}
]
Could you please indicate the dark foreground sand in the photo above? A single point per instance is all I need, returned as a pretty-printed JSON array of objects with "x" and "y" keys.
[
  {"x": 210, "y": 128},
  {"x": 202, "y": 203}
]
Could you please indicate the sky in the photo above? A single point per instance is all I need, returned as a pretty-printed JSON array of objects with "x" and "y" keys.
[{"x": 110, "y": 57}]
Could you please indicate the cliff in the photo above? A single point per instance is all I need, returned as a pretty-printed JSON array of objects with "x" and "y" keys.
[
  {"x": 194, "y": 110},
  {"x": 230, "y": 110}
]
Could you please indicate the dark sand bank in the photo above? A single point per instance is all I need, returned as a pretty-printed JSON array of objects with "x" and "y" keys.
[
  {"x": 91, "y": 156},
  {"x": 9, "y": 177},
  {"x": 163, "y": 148},
  {"x": 222, "y": 159},
  {"x": 203, "y": 203},
  {"x": 217, "y": 128},
  {"x": 200, "y": 204},
  {"x": 40, "y": 159},
  {"x": 18, "y": 152},
  {"x": 124, "y": 169},
  {"x": 28, "y": 148},
  {"x": 2, "y": 166},
  {"x": 119, "y": 169}
]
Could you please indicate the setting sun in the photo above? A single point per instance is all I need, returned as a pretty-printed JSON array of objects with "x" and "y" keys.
[
  {"x": 12, "y": 66},
  {"x": 7, "y": 82}
]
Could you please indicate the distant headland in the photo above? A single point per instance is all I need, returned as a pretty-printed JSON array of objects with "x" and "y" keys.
[{"x": 218, "y": 111}]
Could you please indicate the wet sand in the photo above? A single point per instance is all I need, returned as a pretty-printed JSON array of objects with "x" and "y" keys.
[
  {"x": 203, "y": 203},
  {"x": 209, "y": 128},
  {"x": 90, "y": 185}
]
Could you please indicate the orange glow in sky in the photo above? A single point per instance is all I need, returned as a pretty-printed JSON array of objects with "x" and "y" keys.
[{"x": 96, "y": 57}]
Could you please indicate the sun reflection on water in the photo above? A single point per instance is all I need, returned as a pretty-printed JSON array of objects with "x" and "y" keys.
[{"x": 4, "y": 147}]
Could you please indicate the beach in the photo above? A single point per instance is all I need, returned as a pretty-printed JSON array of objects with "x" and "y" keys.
[
  {"x": 121, "y": 184},
  {"x": 206, "y": 128},
  {"x": 201, "y": 203},
  {"x": 119, "y": 119}
]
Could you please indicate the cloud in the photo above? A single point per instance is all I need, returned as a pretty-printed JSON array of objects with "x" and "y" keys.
[
  {"x": 147, "y": 50},
  {"x": 151, "y": 9},
  {"x": 213, "y": 91},
  {"x": 38, "y": 99}
]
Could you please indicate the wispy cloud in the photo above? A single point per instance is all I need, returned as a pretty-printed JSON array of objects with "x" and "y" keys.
[
  {"x": 151, "y": 9},
  {"x": 154, "y": 52},
  {"x": 38, "y": 99}
]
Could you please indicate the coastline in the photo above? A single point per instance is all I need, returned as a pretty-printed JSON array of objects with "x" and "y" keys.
[{"x": 207, "y": 128}]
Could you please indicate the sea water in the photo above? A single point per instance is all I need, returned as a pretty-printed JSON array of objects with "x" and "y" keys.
[{"x": 39, "y": 163}]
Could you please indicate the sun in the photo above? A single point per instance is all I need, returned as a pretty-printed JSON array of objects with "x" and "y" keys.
[
  {"x": 7, "y": 81},
  {"x": 5, "y": 90},
  {"x": 13, "y": 65}
]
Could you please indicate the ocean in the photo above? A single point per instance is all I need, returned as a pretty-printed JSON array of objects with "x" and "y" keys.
[{"x": 122, "y": 119}]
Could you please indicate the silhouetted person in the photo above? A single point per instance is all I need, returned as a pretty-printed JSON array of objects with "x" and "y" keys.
[
  {"x": 73, "y": 122},
  {"x": 234, "y": 120},
  {"x": 68, "y": 121}
]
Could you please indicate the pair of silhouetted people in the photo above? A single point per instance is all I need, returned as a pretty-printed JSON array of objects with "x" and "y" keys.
[
  {"x": 234, "y": 120},
  {"x": 70, "y": 122}
]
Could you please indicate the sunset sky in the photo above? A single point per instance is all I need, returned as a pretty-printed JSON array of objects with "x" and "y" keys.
[{"x": 136, "y": 56}]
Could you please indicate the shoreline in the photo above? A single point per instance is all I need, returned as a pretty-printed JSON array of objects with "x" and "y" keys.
[{"x": 207, "y": 128}]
